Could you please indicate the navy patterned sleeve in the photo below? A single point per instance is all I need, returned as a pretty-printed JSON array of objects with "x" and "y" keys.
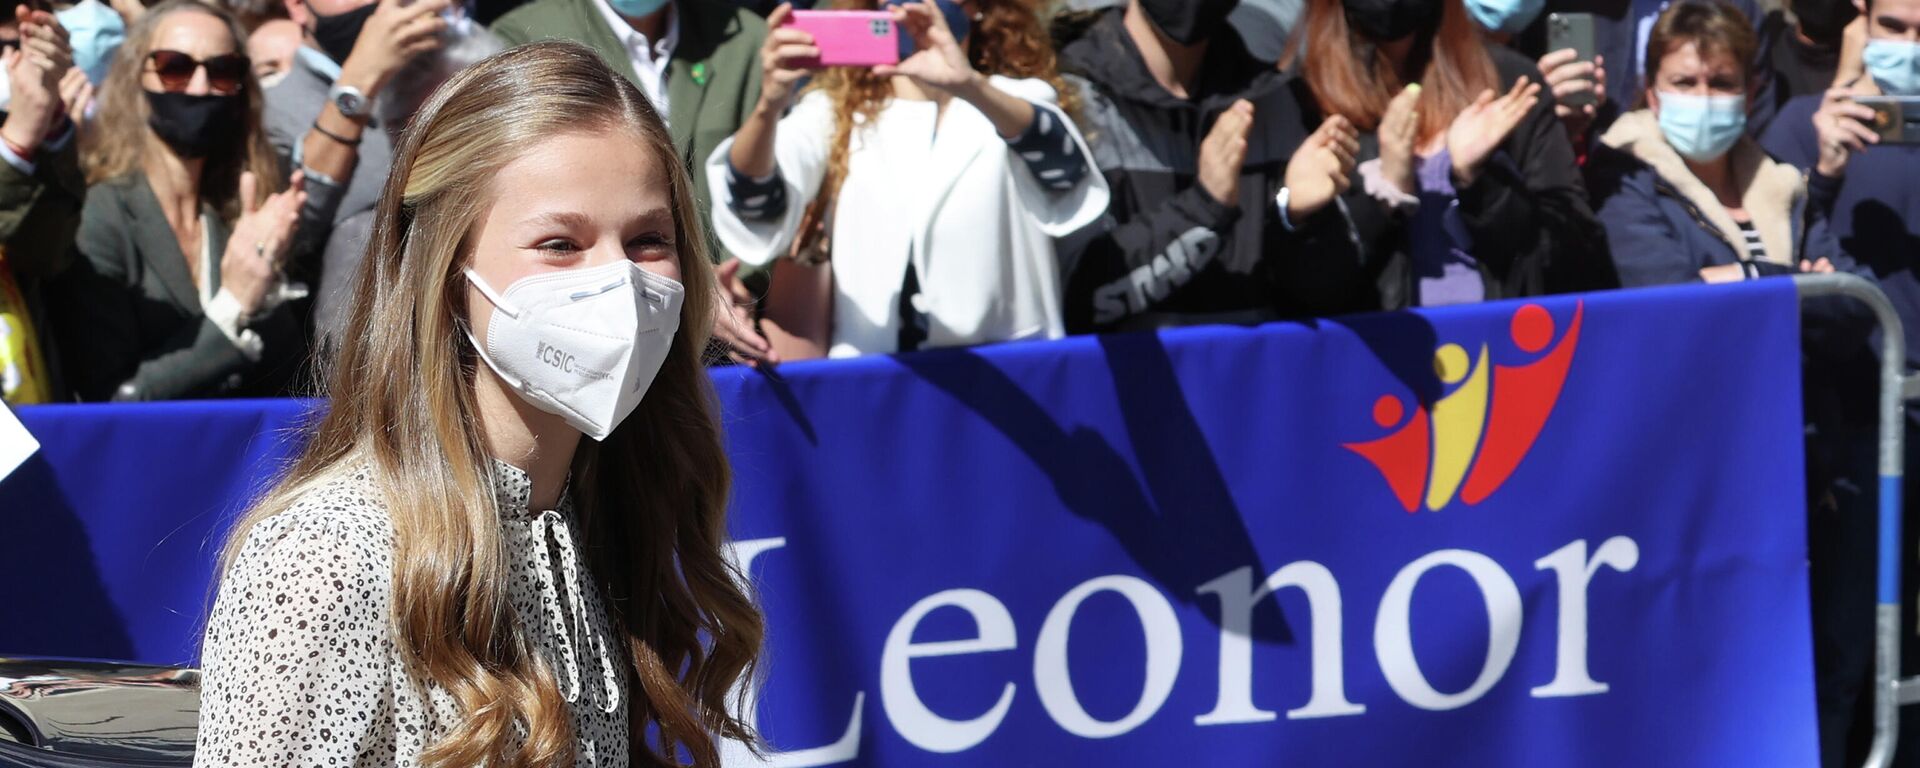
[
  {"x": 763, "y": 199},
  {"x": 1048, "y": 149}
]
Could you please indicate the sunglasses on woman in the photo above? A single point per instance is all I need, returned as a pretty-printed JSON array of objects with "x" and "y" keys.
[{"x": 225, "y": 73}]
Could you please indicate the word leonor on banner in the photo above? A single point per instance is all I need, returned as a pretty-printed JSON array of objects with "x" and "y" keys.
[{"x": 994, "y": 632}]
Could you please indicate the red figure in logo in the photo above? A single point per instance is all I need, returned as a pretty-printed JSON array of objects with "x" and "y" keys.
[
  {"x": 1401, "y": 456},
  {"x": 1523, "y": 397}
]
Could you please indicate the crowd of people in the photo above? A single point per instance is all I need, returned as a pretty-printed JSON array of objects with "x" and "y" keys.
[{"x": 188, "y": 187}]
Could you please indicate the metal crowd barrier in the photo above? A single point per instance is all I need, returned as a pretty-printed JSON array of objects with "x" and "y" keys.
[{"x": 1890, "y": 691}]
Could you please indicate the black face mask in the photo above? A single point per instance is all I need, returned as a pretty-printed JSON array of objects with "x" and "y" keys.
[
  {"x": 336, "y": 34},
  {"x": 193, "y": 125},
  {"x": 1823, "y": 20},
  {"x": 1188, "y": 21},
  {"x": 1387, "y": 20}
]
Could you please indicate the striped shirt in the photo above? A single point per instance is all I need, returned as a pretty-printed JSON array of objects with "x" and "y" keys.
[{"x": 1756, "y": 251}]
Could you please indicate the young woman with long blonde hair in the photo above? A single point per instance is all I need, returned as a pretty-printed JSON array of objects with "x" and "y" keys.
[{"x": 450, "y": 575}]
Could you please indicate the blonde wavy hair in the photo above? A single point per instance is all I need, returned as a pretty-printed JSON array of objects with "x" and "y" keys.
[
  {"x": 652, "y": 497},
  {"x": 118, "y": 141}
]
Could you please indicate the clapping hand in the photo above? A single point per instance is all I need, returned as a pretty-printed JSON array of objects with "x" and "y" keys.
[
  {"x": 1321, "y": 169},
  {"x": 1484, "y": 124},
  {"x": 1399, "y": 127},
  {"x": 35, "y": 73},
  {"x": 1223, "y": 151},
  {"x": 44, "y": 41},
  {"x": 257, "y": 249},
  {"x": 76, "y": 92}
]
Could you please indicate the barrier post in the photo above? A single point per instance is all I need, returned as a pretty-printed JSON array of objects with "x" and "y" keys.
[{"x": 1889, "y": 690}]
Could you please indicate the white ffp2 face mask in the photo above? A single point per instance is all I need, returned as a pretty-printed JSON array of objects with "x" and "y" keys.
[{"x": 582, "y": 344}]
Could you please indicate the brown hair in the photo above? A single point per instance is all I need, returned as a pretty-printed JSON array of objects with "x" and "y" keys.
[
  {"x": 652, "y": 497},
  {"x": 1714, "y": 28},
  {"x": 118, "y": 142},
  {"x": 1010, "y": 39},
  {"x": 1351, "y": 77}
]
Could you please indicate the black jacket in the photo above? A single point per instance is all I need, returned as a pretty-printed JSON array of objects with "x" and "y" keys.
[
  {"x": 1532, "y": 230},
  {"x": 1167, "y": 253}
]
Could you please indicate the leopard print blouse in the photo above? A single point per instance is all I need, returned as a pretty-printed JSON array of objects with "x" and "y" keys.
[{"x": 300, "y": 666}]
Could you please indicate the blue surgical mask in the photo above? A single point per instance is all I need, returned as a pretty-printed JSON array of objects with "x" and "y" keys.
[
  {"x": 96, "y": 32},
  {"x": 635, "y": 9},
  {"x": 1702, "y": 128},
  {"x": 957, "y": 22},
  {"x": 1504, "y": 15},
  {"x": 1894, "y": 65}
]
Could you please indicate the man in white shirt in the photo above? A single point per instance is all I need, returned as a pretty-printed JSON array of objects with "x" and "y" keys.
[{"x": 649, "y": 41}]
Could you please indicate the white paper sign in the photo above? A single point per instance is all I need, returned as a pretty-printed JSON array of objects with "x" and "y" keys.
[{"x": 15, "y": 444}]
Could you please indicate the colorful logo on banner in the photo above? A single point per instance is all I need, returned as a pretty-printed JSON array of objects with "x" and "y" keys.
[{"x": 1474, "y": 437}]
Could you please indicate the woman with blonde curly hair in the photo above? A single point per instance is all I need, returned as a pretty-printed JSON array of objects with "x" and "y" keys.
[
  {"x": 932, "y": 188},
  {"x": 450, "y": 575}
]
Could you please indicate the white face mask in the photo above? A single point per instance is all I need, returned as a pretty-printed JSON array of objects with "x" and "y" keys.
[{"x": 583, "y": 344}]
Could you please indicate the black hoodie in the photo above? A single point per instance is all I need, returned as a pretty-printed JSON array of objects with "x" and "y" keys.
[{"x": 1167, "y": 253}]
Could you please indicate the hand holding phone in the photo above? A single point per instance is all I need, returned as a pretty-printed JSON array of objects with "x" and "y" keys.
[
  {"x": 848, "y": 38},
  {"x": 1847, "y": 123},
  {"x": 780, "y": 57},
  {"x": 1896, "y": 119},
  {"x": 1571, "y": 65}
]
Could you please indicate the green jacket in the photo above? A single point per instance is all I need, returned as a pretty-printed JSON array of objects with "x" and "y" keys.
[{"x": 713, "y": 80}]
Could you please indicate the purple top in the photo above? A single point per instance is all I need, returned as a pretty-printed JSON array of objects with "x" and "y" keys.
[{"x": 1444, "y": 270}]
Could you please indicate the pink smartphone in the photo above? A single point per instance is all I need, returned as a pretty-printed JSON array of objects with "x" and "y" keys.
[{"x": 849, "y": 38}]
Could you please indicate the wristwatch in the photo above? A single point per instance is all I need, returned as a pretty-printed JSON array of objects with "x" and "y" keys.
[{"x": 349, "y": 100}]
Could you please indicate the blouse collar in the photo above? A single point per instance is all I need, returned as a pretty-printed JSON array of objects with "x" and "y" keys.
[{"x": 513, "y": 488}]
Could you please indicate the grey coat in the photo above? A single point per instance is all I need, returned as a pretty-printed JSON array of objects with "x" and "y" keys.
[
  {"x": 129, "y": 317},
  {"x": 292, "y": 105}
]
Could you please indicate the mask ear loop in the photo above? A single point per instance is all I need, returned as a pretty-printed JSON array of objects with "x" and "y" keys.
[
  {"x": 505, "y": 307},
  {"x": 498, "y": 301}
]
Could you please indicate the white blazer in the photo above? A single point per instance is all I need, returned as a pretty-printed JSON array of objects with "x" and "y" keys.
[{"x": 976, "y": 223}]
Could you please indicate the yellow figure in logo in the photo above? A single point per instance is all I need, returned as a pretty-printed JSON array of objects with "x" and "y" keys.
[{"x": 1458, "y": 420}]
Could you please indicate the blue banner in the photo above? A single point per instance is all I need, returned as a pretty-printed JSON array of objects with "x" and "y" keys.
[{"x": 1566, "y": 532}]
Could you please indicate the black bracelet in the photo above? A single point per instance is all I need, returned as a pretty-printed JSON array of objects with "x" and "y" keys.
[{"x": 335, "y": 136}]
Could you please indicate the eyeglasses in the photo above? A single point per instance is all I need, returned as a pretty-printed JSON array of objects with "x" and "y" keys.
[{"x": 225, "y": 73}]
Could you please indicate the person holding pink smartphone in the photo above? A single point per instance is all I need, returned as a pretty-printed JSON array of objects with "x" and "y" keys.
[{"x": 915, "y": 202}]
